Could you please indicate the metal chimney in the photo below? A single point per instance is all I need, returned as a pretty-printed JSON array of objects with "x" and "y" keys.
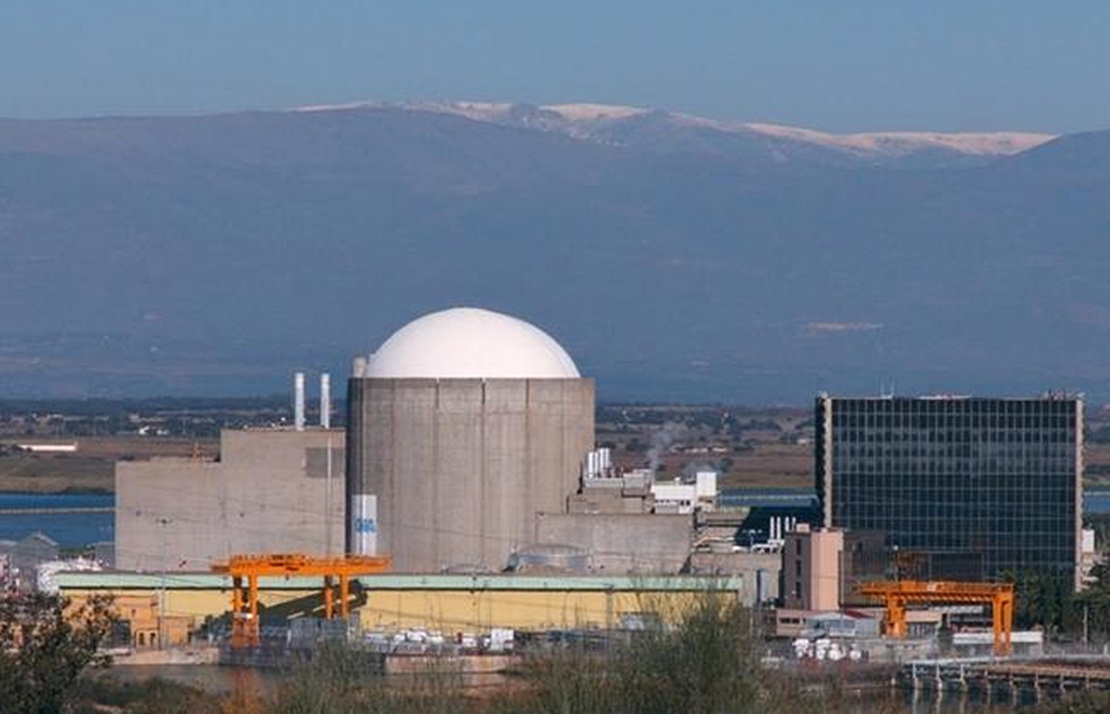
[
  {"x": 325, "y": 400},
  {"x": 298, "y": 401}
]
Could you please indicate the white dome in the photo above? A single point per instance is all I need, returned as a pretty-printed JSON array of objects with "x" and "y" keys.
[{"x": 470, "y": 343}]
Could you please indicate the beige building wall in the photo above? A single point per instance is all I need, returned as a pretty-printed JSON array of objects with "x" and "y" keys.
[
  {"x": 149, "y": 627},
  {"x": 811, "y": 569},
  {"x": 461, "y": 466},
  {"x": 480, "y": 610},
  {"x": 169, "y": 617},
  {"x": 266, "y": 494},
  {"x": 445, "y": 603}
]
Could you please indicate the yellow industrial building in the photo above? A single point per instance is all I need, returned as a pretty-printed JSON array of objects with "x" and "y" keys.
[{"x": 448, "y": 603}]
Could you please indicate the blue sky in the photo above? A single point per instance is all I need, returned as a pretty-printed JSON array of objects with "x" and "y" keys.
[{"x": 837, "y": 66}]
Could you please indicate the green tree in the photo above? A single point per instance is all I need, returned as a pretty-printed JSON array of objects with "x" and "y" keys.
[
  {"x": 1043, "y": 601},
  {"x": 1095, "y": 600},
  {"x": 705, "y": 663},
  {"x": 45, "y": 646}
]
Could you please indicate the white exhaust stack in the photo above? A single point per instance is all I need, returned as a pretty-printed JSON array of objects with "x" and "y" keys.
[
  {"x": 325, "y": 400},
  {"x": 298, "y": 401}
]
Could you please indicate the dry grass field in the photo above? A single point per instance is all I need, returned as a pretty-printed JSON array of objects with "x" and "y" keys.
[
  {"x": 91, "y": 468},
  {"x": 751, "y": 448},
  {"x": 771, "y": 464},
  {"x": 1096, "y": 458}
]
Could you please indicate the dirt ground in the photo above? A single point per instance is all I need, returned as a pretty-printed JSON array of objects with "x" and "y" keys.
[
  {"x": 755, "y": 460},
  {"x": 92, "y": 467}
]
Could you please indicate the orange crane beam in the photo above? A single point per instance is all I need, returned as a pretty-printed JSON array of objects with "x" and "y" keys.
[
  {"x": 245, "y": 631},
  {"x": 897, "y": 595}
]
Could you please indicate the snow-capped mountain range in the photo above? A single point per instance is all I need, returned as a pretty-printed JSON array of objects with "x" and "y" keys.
[
  {"x": 607, "y": 123},
  {"x": 677, "y": 258}
]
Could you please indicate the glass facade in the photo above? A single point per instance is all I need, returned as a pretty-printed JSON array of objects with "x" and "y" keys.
[{"x": 987, "y": 482}]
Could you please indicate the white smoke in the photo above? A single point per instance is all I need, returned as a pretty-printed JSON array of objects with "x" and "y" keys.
[{"x": 661, "y": 440}]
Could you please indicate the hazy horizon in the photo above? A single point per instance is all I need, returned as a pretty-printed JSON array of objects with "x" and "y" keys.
[
  {"x": 689, "y": 254},
  {"x": 867, "y": 66}
]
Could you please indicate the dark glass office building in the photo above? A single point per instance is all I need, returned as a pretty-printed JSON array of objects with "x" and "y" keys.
[{"x": 976, "y": 486}]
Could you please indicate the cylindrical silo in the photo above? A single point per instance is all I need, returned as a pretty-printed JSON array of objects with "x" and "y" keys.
[{"x": 461, "y": 427}]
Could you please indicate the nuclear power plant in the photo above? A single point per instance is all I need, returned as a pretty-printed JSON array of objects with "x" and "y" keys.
[
  {"x": 469, "y": 451},
  {"x": 467, "y": 431},
  {"x": 462, "y": 427},
  {"x": 466, "y": 492},
  {"x": 468, "y": 448}
]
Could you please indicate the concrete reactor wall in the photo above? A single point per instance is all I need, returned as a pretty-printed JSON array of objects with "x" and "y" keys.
[
  {"x": 266, "y": 494},
  {"x": 459, "y": 467},
  {"x": 622, "y": 542}
]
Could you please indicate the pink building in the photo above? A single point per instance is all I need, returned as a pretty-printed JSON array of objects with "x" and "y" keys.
[{"x": 811, "y": 568}]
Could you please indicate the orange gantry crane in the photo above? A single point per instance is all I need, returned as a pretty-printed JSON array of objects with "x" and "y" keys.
[
  {"x": 897, "y": 595},
  {"x": 245, "y": 631}
]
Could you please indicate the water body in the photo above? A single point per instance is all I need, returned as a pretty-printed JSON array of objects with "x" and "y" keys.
[
  {"x": 215, "y": 679},
  {"x": 1096, "y": 501},
  {"x": 210, "y": 678},
  {"x": 75, "y": 530},
  {"x": 70, "y": 530}
]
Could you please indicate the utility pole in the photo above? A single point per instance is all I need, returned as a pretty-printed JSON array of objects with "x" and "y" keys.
[
  {"x": 325, "y": 424},
  {"x": 1085, "y": 623},
  {"x": 327, "y": 500}
]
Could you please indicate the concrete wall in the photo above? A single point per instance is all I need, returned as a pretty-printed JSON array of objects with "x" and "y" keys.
[
  {"x": 745, "y": 564},
  {"x": 622, "y": 543},
  {"x": 265, "y": 495},
  {"x": 460, "y": 466},
  {"x": 601, "y": 501}
]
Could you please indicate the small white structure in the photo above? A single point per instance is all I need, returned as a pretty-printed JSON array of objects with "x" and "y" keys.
[
  {"x": 598, "y": 464},
  {"x": 682, "y": 497},
  {"x": 501, "y": 639},
  {"x": 44, "y": 574},
  {"x": 49, "y": 448},
  {"x": 981, "y": 643},
  {"x": 705, "y": 486}
]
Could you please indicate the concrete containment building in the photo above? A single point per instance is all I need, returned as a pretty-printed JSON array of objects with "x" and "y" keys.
[{"x": 461, "y": 428}]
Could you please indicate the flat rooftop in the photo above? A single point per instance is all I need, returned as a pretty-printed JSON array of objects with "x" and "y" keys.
[{"x": 118, "y": 580}]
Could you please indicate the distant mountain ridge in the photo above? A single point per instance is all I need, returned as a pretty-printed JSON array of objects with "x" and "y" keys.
[
  {"x": 609, "y": 123},
  {"x": 675, "y": 259}
]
